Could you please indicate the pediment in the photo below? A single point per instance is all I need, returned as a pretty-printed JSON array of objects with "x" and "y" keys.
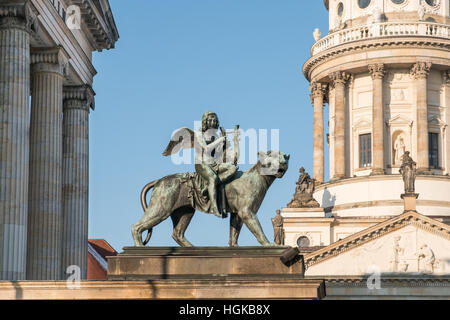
[
  {"x": 399, "y": 120},
  {"x": 407, "y": 244},
  {"x": 437, "y": 122},
  {"x": 362, "y": 123}
]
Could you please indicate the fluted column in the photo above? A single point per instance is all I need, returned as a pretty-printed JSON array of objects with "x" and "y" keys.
[
  {"x": 420, "y": 73},
  {"x": 77, "y": 101},
  {"x": 318, "y": 91},
  {"x": 45, "y": 188},
  {"x": 15, "y": 28},
  {"x": 339, "y": 80},
  {"x": 377, "y": 72}
]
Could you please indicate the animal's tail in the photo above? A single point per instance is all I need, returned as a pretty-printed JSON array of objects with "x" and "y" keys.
[{"x": 144, "y": 204}]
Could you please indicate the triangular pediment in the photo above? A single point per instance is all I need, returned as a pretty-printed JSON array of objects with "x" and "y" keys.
[
  {"x": 408, "y": 243},
  {"x": 399, "y": 120},
  {"x": 436, "y": 121}
]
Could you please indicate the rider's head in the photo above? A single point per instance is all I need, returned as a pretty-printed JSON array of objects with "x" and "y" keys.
[{"x": 210, "y": 120}]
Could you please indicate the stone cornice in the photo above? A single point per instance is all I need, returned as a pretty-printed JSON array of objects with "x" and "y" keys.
[
  {"x": 421, "y": 70},
  {"x": 79, "y": 97},
  {"x": 377, "y": 71},
  {"x": 372, "y": 44},
  {"x": 388, "y": 280},
  {"x": 101, "y": 25},
  {"x": 18, "y": 14},
  {"x": 369, "y": 234}
]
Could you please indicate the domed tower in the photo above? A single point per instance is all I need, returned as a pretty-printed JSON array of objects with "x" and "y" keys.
[{"x": 383, "y": 68}]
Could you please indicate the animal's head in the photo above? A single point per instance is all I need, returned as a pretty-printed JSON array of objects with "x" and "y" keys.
[{"x": 273, "y": 163}]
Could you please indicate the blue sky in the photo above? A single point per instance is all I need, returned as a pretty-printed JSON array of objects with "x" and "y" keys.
[{"x": 176, "y": 59}]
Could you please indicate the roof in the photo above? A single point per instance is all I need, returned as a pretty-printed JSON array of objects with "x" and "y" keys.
[{"x": 98, "y": 250}]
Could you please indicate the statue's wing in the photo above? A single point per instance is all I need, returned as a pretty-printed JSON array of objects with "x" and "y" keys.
[{"x": 181, "y": 139}]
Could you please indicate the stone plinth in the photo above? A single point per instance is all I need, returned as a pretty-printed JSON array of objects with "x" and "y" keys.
[
  {"x": 203, "y": 263},
  {"x": 410, "y": 200},
  {"x": 303, "y": 212},
  {"x": 163, "y": 289}
]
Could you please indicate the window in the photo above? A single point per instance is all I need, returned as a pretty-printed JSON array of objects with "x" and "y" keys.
[
  {"x": 363, "y": 3},
  {"x": 365, "y": 150},
  {"x": 433, "y": 146}
]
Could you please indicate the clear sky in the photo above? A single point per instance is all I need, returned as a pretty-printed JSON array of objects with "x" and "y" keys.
[{"x": 176, "y": 59}]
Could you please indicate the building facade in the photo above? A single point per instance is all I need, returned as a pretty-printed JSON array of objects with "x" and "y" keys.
[
  {"x": 383, "y": 69},
  {"x": 46, "y": 79}
]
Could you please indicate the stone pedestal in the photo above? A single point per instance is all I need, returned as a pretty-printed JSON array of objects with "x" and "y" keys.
[
  {"x": 410, "y": 200},
  {"x": 304, "y": 212},
  {"x": 210, "y": 273},
  {"x": 212, "y": 263}
]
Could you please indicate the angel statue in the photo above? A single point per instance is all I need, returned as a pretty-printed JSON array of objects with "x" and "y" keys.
[
  {"x": 217, "y": 187},
  {"x": 211, "y": 162}
]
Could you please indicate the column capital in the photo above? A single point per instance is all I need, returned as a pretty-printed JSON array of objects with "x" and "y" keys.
[
  {"x": 79, "y": 97},
  {"x": 18, "y": 14},
  {"x": 377, "y": 71},
  {"x": 446, "y": 77},
  {"x": 339, "y": 77},
  {"x": 421, "y": 69},
  {"x": 318, "y": 90},
  {"x": 49, "y": 60}
]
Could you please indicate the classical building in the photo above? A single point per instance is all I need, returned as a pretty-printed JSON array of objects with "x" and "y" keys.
[
  {"x": 46, "y": 49},
  {"x": 384, "y": 71}
]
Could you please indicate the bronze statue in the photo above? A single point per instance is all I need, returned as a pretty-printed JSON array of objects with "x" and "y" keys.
[
  {"x": 408, "y": 171},
  {"x": 209, "y": 163},
  {"x": 303, "y": 197},
  {"x": 278, "y": 231},
  {"x": 178, "y": 196}
]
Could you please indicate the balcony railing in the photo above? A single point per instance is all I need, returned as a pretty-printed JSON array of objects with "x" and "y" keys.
[{"x": 380, "y": 30}]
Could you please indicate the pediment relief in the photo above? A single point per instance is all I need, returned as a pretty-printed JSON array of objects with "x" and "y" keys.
[{"x": 410, "y": 243}]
